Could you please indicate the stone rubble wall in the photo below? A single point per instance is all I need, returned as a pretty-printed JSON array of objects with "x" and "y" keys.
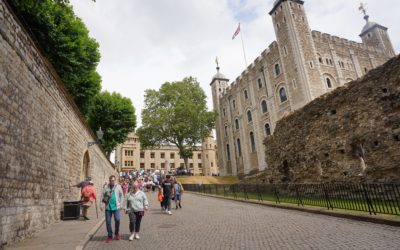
[
  {"x": 43, "y": 138},
  {"x": 350, "y": 134}
]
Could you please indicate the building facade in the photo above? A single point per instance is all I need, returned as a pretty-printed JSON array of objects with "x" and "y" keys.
[
  {"x": 298, "y": 67},
  {"x": 129, "y": 156}
]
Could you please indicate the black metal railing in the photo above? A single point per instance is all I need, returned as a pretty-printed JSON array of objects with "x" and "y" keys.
[{"x": 372, "y": 198}]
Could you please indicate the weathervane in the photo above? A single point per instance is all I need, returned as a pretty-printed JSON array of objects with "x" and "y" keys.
[
  {"x": 363, "y": 9},
  {"x": 216, "y": 61}
]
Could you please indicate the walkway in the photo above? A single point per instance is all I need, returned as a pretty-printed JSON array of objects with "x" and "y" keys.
[{"x": 211, "y": 223}]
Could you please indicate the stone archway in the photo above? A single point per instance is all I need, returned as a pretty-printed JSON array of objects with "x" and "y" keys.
[{"x": 85, "y": 166}]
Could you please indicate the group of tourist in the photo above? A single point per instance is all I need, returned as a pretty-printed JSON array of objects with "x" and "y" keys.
[{"x": 129, "y": 196}]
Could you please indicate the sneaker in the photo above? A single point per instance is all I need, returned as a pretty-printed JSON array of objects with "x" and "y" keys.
[
  {"x": 132, "y": 236},
  {"x": 137, "y": 236},
  {"x": 117, "y": 237},
  {"x": 166, "y": 211},
  {"x": 169, "y": 212},
  {"x": 180, "y": 205},
  {"x": 109, "y": 240},
  {"x": 86, "y": 218}
]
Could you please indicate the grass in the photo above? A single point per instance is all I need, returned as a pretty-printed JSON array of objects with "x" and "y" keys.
[
  {"x": 336, "y": 203},
  {"x": 208, "y": 179}
]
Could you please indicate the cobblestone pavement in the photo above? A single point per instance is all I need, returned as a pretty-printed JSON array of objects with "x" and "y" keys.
[{"x": 211, "y": 223}]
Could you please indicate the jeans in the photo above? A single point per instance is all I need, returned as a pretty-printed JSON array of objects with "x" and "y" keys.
[
  {"x": 117, "y": 218},
  {"x": 167, "y": 202},
  {"x": 134, "y": 222}
]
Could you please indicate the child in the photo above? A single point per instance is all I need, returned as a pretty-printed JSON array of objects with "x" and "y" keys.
[{"x": 160, "y": 198}]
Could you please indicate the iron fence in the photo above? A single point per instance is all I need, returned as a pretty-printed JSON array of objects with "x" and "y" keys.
[{"x": 372, "y": 198}]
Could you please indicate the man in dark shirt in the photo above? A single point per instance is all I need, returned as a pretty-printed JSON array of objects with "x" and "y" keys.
[{"x": 167, "y": 191}]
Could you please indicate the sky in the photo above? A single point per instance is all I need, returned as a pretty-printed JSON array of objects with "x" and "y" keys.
[{"x": 144, "y": 43}]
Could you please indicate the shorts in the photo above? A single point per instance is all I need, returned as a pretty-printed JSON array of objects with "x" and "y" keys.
[{"x": 177, "y": 197}]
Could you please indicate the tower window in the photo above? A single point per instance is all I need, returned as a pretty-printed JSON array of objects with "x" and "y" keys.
[
  {"x": 330, "y": 62},
  {"x": 320, "y": 60},
  {"x": 246, "y": 95},
  {"x": 224, "y": 112},
  {"x": 294, "y": 84},
  {"x": 285, "y": 51},
  {"x": 369, "y": 35},
  {"x": 311, "y": 64},
  {"x": 226, "y": 131},
  {"x": 267, "y": 129},
  {"x": 259, "y": 83},
  {"x": 284, "y": 19},
  {"x": 237, "y": 123},
  {"x": 282, "y": 95},
  {"x": 239, "y": 147},
  {"x": 328, "y": 83},
  {"x": 249, "y": 117},
  {"x": 264, "y": 107},
  {"x": 252, "y": 142},
  {"x": 277, "y": 69},
  {"x": 228, "y": 153}
]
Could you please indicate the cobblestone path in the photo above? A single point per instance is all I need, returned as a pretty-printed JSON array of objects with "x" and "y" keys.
[{"x": 211, "y": 223}]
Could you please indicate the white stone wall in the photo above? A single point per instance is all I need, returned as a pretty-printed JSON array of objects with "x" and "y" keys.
[{"x": 43, "y": 138}]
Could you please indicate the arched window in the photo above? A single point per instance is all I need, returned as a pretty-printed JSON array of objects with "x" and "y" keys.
[
  {"x": 228, "y": 152},
  {"x": 259, "y": 83},
  {"x": 277, "y": 70},
  {"x": 320, "y": 60},
  {"x": 252, "y": 142},
  {"x": 249, "y": 117},
  {"x": 237, "y": 123},
  {"x": 282, "y": 94},
  {"x": 239, "y": 147},
  {"x": 224, "y": 112},
  {"x": 328, "y": 83},
  {"x": 267, "y": 129},
  {"x": 226, "y": 130},
  {"x": 246, "y": 95},
  {"x": 264, "y": 106}
]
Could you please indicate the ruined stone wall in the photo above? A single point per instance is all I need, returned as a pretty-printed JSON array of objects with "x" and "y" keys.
[
  {"x": 43, "y": 138},
  {"x": 349, "y": 134}
]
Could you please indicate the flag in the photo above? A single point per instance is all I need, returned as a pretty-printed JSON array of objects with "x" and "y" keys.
[{"x": 236, "y": 32}]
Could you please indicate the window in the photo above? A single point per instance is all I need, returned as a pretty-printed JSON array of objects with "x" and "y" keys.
[
  {"x": 294, "y": 84},
  {"x": 128, "y": 152},
  {"x": 198, "y": 156},
  {"x": 142, "y": 165},
  {"x": 182, "y": 165},
  {"x": 223, "y": 111},
  {"x": 163, "y": 165},
  {"x": 226, "y": 131},
  {"x": 267, "y": 129},
  {"x": 249, "y": 117},
  {"x": 311, "y": 65},
  {"x": 234, "y": 104},
  {"x": 212, "y": 164},
  {"x": 327, "y": 61},
  {"x": 152, "y": 165},
  {"x": 172, "y": 155},
  {"x": 128, "y": 163},
  {"x": 152, "y": 155},
  {"x": 259, "y": 83},
  {"x": 142, "y": 154},
  {"x": 162, "y": 155},
  {"x": 190, "y": 165},
  {"x": 366, "y": 70},
  {"x": 239, "y": 147},
  {"x": 246, "y": 95},
  {"x": 264, "y": 106},
  {"x": 277, "y": 70},
  {"x": 285, "y": 51},
  {"x": 228, "y": 153},
  {"x": 320, "y": 60},
  {"x": 200, "y": 166},
  {"x": 191, "y": 157},
  {"x": 282, "y": 94},
  {"x": 237, "y": 123},
  {"x": 172, "y": 165},
  {"x": 328, "y": 83},
  {"x": 330, "y": 61},
  {"x": 252, "y": 142}
]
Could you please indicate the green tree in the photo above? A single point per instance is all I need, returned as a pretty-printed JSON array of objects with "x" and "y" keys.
[
  {"x": 115, "y": 114},
  {"x": 176, "y": 114},
  {"x": 65, "y": 41}
]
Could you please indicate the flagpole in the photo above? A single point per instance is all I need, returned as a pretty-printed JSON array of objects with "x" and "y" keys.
[{"x": 244, "y": 52}]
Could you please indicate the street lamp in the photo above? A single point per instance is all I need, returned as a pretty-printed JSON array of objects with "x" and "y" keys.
[{"x": 100, "y": 134}]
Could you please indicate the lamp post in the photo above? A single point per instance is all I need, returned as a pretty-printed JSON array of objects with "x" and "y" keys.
[{"x": 99, "y": 134}]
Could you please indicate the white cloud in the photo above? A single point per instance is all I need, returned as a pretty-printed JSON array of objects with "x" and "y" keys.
[{"x": 145, "y": 43}]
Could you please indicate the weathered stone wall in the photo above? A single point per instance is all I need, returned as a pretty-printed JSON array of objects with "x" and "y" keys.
[
  {"x": 349, "y": 134},
  {"x": 43, "y": 138}
]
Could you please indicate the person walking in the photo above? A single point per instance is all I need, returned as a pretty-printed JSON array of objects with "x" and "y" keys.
[
  {"x": 167, "y": 191},
  {"x": 178, "y": 190},
  {"x": 88, "y": 196},
  {"x": 112, "y": 197},
  {"x": 135, "y": 205}
]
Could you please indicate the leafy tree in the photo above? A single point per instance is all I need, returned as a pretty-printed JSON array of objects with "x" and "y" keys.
[
  {"x": 176, "y": 114},
  {"x": 65, "y": 40},
  {"x": 115, "y": 114}
]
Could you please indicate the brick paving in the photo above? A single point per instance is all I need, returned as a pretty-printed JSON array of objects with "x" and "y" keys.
[{"x": 211, "y": 223}]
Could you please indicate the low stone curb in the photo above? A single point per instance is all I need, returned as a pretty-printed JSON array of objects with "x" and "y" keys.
[
  {"x": 337, "y": 213},
  {"x": 90, "y": 235}
]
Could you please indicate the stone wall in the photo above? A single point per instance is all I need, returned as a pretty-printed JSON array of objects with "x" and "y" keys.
[
  {"x": 43, "y": 138},
  {"x": 349, "y": 134}
]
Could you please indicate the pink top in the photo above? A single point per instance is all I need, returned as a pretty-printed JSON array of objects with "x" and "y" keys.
[{"x": 92, "y": 190}]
